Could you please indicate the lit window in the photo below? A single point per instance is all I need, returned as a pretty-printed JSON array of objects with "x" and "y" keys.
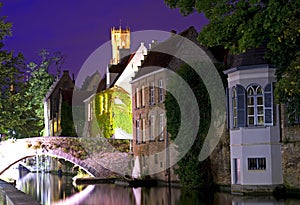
[
  {"x": 89, "y": 112},
  {"x": 256, "y": 163},
  {"x": 255, "y": 105}
]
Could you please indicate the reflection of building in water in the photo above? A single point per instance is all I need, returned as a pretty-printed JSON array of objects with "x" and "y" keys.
[{"x": 254, "y": 124}]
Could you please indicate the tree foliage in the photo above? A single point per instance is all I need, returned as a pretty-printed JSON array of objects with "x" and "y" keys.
[
  {"x": 40, "y": 80},
  {"x": 288, "y": 89},
  {"x": 67, "y": 124},
  {"x": 16, "y": 119},
  {"x": 192, "y": 172},
  {"x": 239, "y": 25},
  {"x": 22, "y": 90}
]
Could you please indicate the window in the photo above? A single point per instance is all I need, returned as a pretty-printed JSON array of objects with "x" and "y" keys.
[
  {"x": 137, "y": 98},
  {"x": 155, "y": 158},
  {"x": 143, "y": 96},
  {"x": 160, "y": 91},
  {"x": 137, "y": 126},
  {"x": 152, "y": 128},
  {"x": 255, "y": 105},
  {"x": 143, "y": 131},
  {"x": 161, "y": 127},
  {"x": 234, "y": 107},
  {"x": 256, "y": 163},
  {"x": 152, "y": 91},
  {"x": 89, "y": 112}
]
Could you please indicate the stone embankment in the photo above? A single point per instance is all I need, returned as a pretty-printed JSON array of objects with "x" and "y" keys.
[{"x": 9, "y": 195}]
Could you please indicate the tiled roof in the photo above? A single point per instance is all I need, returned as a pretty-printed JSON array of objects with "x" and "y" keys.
[
  {"x": 254, "y": 56},
  {"x": 251, "y": 59},
  {"x": 156, "y": 59}
]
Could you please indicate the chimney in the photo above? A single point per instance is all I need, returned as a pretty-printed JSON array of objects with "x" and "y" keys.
[
  {"x": 173, "y": 32},
  {"x": 153, "y": 44},
  {"x": 107, "y": 77},
  {"x": 66, "y": 72}
]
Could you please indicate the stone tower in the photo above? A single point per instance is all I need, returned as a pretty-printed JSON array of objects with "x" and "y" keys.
[{"x": 120, "y": 41}]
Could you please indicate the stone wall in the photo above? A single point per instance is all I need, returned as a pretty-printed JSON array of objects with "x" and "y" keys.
[
  {"x": 9, "y": 195},
  {"x": 290, "y": 135},
  {"x": 220, "y": 161}
]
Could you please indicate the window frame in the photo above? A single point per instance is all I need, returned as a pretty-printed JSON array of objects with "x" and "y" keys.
[
  {"x": 137, "y": 131},
  {"x": 160, "y": 91},
  {"x": 257, "y": 163},
  {"x": 161, "y": 127},
  {"x": 152, "y": 128},
  {"x": 152, "y": 93},
  {"x": 254, "y": 99}
]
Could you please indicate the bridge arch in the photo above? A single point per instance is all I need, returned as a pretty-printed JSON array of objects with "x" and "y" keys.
[
  {"x": 86, "y": 168},
  {"x": 12, "y": 152}
]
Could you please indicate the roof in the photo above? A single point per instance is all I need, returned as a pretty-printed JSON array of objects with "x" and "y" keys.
[
  {"x": 254, "y": 56},
  {"x": 251, "y": 59},
  {"x": 57, "y": 82},
  {"x": 115, "y": 69},
  {"x": 156, "y": 58}
]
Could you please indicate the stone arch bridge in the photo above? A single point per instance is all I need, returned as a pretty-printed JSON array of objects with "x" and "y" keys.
[{"x": 91, "y": 155}]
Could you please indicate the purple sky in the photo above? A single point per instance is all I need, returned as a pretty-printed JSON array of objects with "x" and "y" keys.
[{"x": 78, "y": 27}]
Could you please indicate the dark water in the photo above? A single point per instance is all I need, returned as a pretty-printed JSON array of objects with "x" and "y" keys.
[{"x": 50, "y": 189}]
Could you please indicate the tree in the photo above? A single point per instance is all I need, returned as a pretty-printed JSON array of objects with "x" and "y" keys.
[
  {"x": 288, "y": 89},
  {"x": 239, "y": 25},
  {"x": 39, "y": 83},
  {"x": 192, "y": 173},
  {"x": 16, "y": 118}
]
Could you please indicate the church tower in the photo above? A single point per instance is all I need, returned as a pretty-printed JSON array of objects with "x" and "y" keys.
[{"x": 120, "y": 41}]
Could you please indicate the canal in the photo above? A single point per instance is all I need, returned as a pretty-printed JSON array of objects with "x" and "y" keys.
[{"x": 51, "y": 189}]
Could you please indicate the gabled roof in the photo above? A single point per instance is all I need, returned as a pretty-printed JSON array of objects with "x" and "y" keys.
[
  {"x": 155, "y": 59},
  {"x": 57, "y": 83},
  {"x": 115, "y": 69}
]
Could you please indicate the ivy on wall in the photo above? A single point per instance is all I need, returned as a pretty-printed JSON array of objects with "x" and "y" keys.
[{"x": 113, "y": 110}]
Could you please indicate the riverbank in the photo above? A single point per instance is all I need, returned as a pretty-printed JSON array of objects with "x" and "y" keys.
[{"x": 9, "y": 195}]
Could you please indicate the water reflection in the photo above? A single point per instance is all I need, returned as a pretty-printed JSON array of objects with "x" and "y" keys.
[
  {"x": 47, "y": 188},
  {"x": 51, "y": 189}
]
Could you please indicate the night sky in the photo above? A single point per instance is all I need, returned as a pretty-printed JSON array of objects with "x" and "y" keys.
[{"x": 78, "y": 27}]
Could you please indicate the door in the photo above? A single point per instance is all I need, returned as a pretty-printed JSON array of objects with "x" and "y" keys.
[{"x": 236, "y": 171}]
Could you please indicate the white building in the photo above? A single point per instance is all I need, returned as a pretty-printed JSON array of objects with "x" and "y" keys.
[{"x": 254, "y": 124}]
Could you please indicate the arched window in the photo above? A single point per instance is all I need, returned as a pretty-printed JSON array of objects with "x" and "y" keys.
[
  {"x": 255, "y": 105},
  {"x": 234, "y": 107}
]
